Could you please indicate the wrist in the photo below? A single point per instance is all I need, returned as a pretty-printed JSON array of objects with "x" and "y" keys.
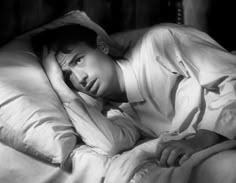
[
  {"x": 64, "y": 92},
  {"x": 205, "y": 138}
]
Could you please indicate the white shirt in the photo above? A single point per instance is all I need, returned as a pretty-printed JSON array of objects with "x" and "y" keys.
[{"x": 179, "y": 80}]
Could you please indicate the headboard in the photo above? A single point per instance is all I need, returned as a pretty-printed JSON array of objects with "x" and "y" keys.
[
  {"x": 213, "y": 17},
  {"x": 217, "y": 18},
  {"x": 18, "y": 16}
]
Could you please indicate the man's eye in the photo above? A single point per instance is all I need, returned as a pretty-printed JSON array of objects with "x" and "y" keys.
[{"x": 78, "y": 60}]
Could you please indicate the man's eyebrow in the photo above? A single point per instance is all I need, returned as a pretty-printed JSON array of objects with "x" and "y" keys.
[
  {"x": 75, "y": 56},
  {"x": 73, "y": 59},
  {"x": 63, "y": 59}
]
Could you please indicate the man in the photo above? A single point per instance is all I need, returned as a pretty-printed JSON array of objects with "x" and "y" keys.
[{"x": 177, "y": 80}]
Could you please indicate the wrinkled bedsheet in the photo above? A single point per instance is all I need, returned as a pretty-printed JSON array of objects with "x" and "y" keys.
[
  {"x": 15, "y": 167},
  {"x": 90, "y": 167}
]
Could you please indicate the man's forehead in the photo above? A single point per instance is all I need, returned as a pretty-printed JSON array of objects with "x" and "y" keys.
[{"x": 64, "y": 59}]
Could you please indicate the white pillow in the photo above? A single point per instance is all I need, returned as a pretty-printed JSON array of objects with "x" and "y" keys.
[{"x": 32, "y": 118}]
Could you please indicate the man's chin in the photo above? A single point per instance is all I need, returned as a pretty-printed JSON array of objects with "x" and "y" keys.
[
  {"x": 93, "y": 94},
  {"x": 99, "y": 94}
]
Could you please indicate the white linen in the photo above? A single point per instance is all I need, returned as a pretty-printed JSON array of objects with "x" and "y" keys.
[
  {"x": 16, "y": 167},
  {"x": 32, "y": 118},
  {"x": 151, "y": 172},
  {"x": 139, "y": 165},
  {"x": 109, "y": 132},
  {"x": 89, "y": 166}
]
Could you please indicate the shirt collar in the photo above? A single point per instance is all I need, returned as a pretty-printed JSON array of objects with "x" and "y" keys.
[{"x": 131, "y": 83}]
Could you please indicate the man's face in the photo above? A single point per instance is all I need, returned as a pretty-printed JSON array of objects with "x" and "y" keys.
[{"x": 92, "y": 71}]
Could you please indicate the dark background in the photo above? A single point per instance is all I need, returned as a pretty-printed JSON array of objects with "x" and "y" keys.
[{"x": 212, "y": 16}]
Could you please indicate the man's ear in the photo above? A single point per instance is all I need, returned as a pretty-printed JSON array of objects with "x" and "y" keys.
[{"x": 102, "y": 45}]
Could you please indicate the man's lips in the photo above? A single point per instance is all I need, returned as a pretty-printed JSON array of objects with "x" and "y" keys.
[{"x": 90, "y": 85}]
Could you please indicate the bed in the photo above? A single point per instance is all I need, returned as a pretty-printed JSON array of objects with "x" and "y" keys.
[{"x": 37, "y": 141}]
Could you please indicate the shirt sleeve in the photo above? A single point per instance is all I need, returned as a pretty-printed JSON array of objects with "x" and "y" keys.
[
  {"x": 214, "y": 69},
  {"x": 109, "y": 132},
  {"x": 194, "y": 54}
]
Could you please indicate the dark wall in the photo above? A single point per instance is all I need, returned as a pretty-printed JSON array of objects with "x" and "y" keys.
[
  {"x": 212, "y": 16},
  {"x": 18, "y": 16},
  {"x": 221, "y": 21},
  {"x": 215, "y": 17}
]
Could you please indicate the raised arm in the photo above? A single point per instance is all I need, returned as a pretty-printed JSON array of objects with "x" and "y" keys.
[{"x": 109, "y": 134}]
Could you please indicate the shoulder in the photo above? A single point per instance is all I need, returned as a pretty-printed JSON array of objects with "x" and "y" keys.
[
  {"x": 162, "y": 29},
  {"x": 165, "y": 30}
]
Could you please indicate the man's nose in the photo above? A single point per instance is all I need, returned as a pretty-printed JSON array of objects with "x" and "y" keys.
[{"x": 81, "y": 76}]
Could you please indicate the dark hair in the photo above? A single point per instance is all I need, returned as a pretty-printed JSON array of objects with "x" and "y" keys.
[{"x": 59, "y": 39}]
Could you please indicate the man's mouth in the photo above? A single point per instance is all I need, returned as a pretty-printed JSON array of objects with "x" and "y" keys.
[{"x": 90, "y": 85}]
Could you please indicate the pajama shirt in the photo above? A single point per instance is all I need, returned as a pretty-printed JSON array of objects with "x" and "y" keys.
[{"x": 178, "y": 80}]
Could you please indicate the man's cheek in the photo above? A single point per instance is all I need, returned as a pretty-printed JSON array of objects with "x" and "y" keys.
[{"x": 75, "y": 83}]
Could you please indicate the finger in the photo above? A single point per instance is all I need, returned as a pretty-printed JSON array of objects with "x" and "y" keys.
[
  {"x": 45, "y": 56},
  {"x": 183, "y": 159},
  {"x": 48, "y": 58},
  {"x": 48, "y": 52},
  {"x": 159, "y": 150},
  {"x": 174, "y": 157},
  {"x": 44, "y": 52},
  {"x": 51, "y": 54},
  {"x": 164, "y": 156}
]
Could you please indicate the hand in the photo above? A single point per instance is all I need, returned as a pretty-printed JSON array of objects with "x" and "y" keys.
[
  {"x": 51, "y": 67},
  {"x": 176, "y": 152},
  {"x": 55, "y": 75}
]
